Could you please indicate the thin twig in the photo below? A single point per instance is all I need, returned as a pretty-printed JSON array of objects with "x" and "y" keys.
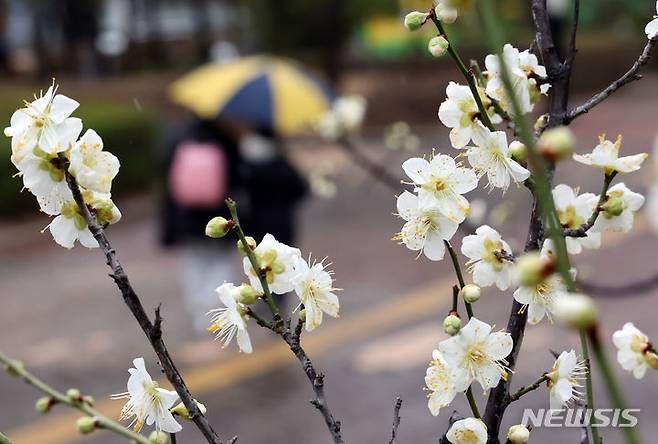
[
  {"x": 631, "y": 75},
  {"x": 629, "y": 289},
  {"x": 152, "y": 330},
  {"x": 4, "y": 439},
  {"x": 396, "y": 420},
  {"x": 373, "y": 168},
  {"x": 472, "y": 403},
  {"x": 581, "y": 231},
  {"x": 523, "y": 390}
]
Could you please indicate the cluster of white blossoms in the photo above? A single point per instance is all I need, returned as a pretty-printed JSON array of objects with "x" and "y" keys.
[
  {"x": 285, "y": 270},
  {"x": 45, "y": 144}
]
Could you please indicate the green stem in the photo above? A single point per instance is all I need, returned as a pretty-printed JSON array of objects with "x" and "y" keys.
[
  {"x": 611, "y": 384},
  {"x": 269, "y": 300},
  {"x": 523, "y": 390},
  {"x": 172, "y": 436},
  {"x": 16, "y": 368},
  {"x": 460, "y": 275},
  {"x": 588, "y": 384},
  {"x": 4, "y": 439},
  {"x": 472, "y": 403},
  {"x": 467, "y": 75}
]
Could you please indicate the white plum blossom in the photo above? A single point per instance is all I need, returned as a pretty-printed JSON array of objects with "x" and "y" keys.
[
  {"x": 314, "y": 287},
  {"x": 425, "y": 228},
  {"x": 605, "y": 155},
  {"x": 518, "y": 76},
  {"x": 477, "y": 354},
  {"x": 42, "y": 123},
  {"x": 539, "y": 299},
  {"x": 491, "y": 156},
  {"x": 441, "y": 182},
  {"x": 460, "y": 112},
  {"x": 277, "y": 261},
  {"x": 231, "y": 319},
  {"x": 652, "y": 27},
  {"x": 632, "y": 347},
  {"x": 486, "y": 251},
  {"x": 92, "y": 167},
  {"x": 629, "y": 202},
  {"x": 565, "y": 379},
  {"x": 147, "y": 402},
  {"x": 439, "y": 382},
  {"x": 573, "y": 211},
  {"x": 468, "y": 431}
]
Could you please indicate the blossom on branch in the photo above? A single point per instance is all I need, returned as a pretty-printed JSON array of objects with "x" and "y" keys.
[
  {"x": 487, "y": 253},
  {"x": 277, "y": 262},
  {"x": 439, "y": 381},
  {"x": 313, "y": 285},
  {"x": 605, "y": 155},
  {"x": 618, "y": 211},
  {"x": 468, "y": 431},
  {"x": 92, "y": 167},
  {"x": 565, "y": 379},
  {"x": 573, "y": 211},
  {"x": 652, "y": 27},
  {"x": 230, "y": 320},
  {"x": 633, "y": 350},
  {"x": 425, "y": 228}
]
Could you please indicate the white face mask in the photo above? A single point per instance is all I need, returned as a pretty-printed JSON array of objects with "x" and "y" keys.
[{"x": 257, "y": 149}]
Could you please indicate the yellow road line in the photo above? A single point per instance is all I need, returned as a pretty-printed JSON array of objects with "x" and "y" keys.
[{"x": 398, "y": 311}]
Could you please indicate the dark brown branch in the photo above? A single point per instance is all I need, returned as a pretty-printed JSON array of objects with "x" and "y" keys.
[
  {"x": 396, "y": 420},
  {"x": 153, "y": 330},
  {"x": 374, "y": 169},
  {"x": 574, "y": 32},
  {"x": 643, "y": 286},
  {"x": 453, "y": 419},
  {"x": 631, "y": 75}
]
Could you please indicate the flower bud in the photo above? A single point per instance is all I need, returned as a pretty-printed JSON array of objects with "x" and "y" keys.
[
  {"x": 613, "y": 207},
  {"x": 652, "y": 359},
  {"x": 471, "y": 293},
  {"x": 247, "y": 294},
  {"x": 90, "y": 401},
  {"x": 251, "y": 242},
  {"x": 541, "y": 122},
  {"x": 576, "y": 310},
  {"x": 218, "y": 227},
  {"x": 415, "y": 20},
  {"x": 182, "y": 411},
  {"x": 452, "y": 324},
  {"x": 438, "y": 46},
  {"x": 530, "y": 269},
  {"x": 518, "y": 434},
  {"x": 446, "y": 13},
  {"x": 518, "y": 151},
  {"x": 73, "y": 394},
  {"x": 158, "y": 437},
  {"x": 85, "y": 425},
  {"x": 44, "y": 404},
  {"x": 556, "y": 143}
]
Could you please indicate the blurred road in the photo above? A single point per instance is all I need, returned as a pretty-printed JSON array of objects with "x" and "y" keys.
[{"x": 64, "y": 318}]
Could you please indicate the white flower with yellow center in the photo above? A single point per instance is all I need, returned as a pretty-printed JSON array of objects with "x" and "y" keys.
[
  {"x": 488, "y": 257},
  {"x": 491, "y": 156},
  {"x": 619, "y": 209},
  {"x": 147, "y": 402},
  {"x": 92, "y": 167},
  {"x": 605, "y": 155},
  {"x": 652, "y": 27},
  {"x": 42, "y": 123},
  {"x": 565, "y": 379},
  {"x": 539, "y": 299},
  {"x": 632, "y": 347},
  {"x": 468, "y": 431},
  {"x": 425, "y": 228},
  {"x": 573, "y": 211},
  {"x": 518, "y": 76},
  {"x": 460, "y": 112},
  {"x": 277, "y": 262},
  {"x": 477, "y": 354},
  {"x": 314, "y": 287},
  {"x": 230, "y": 320},
  {"x": 439, "y": 382},
  {"x": 441, "y": 183}
]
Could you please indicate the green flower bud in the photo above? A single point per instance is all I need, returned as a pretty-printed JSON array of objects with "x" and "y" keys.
[
  {"x": 182, "y": 411},
  {"x": 44, "y": 404},
  {"x": 248, "y": 294},
  {"x": 415, "y": 20},
  {"x": 218, "y": 227},
  {"x": 446, "y": 13},
  {"x": 518, "y": 434},
  {"x": 576, "y": 311},
  {"x": 158, "y": 437},
  {"x": 518, "y": 151},
  {"x": 452, "y": 324},
  {"x": 541, "y": 122},
  {"x": 85, "y": 425},
  {"x": 470, "y": 293},
  {"x": 530, "y": 269},
  {"x": 73, "y": 394},
  {"x": 652, "y": 359},
  {"x": 557, "y": 143},
  {"x": 613, "y": 207},
  {"x": 251, "y": 242},
  {"x": 302, "y": 315},
  {"x": 438, "y": 46}
]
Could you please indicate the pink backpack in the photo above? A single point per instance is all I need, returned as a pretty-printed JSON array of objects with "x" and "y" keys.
[{"x": 198, "y": 176}]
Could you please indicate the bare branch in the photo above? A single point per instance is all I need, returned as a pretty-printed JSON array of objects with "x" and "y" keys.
[
  {"x": 152, "y": 330},
  {"x": 582, "y": 230},
  {"x": 630, "y": 75},
  {"x": 396, "y": 420},
  {"x": 373, "y": 169},
  {"x": 628, "y": 289},
  {"x": 574, "y": 32}
]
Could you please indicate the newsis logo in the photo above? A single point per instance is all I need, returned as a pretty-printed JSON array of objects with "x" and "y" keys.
[{"x": 580, "y": 417}]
